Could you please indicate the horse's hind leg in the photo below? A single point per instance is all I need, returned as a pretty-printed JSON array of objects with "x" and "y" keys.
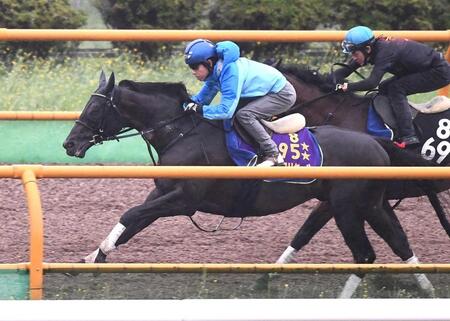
[
  {"x": 317, "y": 219},
  {"x": 385, "y": 223},
  {"x": 388, "y": 227},
  {"x": 421, "y": 278},
  {"x": 350, "y": 221},
  {"x": 351, "y": 226}
]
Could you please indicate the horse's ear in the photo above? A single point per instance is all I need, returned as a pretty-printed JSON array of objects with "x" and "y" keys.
[
  {"x": 111, "y": 83},
  {"x": 102, "y": 81}
]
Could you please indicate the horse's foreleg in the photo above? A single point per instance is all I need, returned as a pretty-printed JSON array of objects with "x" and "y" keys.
[
  {"x": 135, "y": 220},
  {"x": 313, "y": 224},
  {"x": 108, "y": 244}
]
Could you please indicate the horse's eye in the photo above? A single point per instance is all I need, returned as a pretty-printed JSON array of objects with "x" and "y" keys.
[{"x": 95, "y": 112}]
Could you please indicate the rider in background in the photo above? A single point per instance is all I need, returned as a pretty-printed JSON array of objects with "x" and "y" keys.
[
  {"x": 222, "y": 70},
  {"x": 417, "y": 68}
]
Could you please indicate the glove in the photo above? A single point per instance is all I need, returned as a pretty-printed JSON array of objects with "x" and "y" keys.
[
  {"x": 341, "y": 87},
  {"x": 193, "y": 107}
]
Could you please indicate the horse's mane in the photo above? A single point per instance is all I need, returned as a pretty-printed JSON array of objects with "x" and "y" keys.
[
  {"x": 177, "y": 89},
  {"x": 308, "y": 76}
]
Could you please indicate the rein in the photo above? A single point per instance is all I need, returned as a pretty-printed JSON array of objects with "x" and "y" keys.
[
  {"x": 306, "y": 103},
  {"x": 98, "y": 137},
  {"x": 309, "y": 102}
]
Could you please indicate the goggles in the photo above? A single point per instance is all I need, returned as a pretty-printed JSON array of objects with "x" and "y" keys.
[
  {"x": 194, "y": 66},
  {"x": 348, "y": 47}
]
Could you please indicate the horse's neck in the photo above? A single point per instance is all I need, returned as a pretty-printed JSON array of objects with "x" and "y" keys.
[
  {"x": 347, "y": 111},
  {"x": 202, "y": 143},
  {"x": 179, "y": 139},
  {"x": 144, "y": 111}
]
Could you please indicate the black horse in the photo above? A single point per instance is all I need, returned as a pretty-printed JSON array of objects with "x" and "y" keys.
[
  {"x": 321, "y": 105},
  {"x": 187, "y": 139}
]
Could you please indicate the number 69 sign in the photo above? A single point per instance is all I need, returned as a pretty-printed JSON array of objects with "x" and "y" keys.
[{"x": 441, "y": 147}]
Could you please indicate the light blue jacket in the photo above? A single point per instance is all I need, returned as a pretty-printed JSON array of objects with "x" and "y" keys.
[{"x": 234, "y": 78}]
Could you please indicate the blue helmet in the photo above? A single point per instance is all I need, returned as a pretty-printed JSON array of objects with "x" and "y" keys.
[
  {"x": 198, "y": 51},
  {"x": 357, "y": 38}
]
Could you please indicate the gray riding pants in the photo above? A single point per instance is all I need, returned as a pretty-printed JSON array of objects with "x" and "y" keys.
[{"x": 263, "y": 108}]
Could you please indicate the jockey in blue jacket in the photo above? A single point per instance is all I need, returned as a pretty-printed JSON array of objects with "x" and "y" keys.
[{"x": 222, "y": 70}]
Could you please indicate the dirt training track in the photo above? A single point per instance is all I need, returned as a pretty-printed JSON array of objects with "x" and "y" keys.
[{"x": 79, "y": 213}]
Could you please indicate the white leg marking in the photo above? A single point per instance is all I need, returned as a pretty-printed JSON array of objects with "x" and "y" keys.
[
  {"x": 287, "y": 255},
  {"x": 421, "y": 278},
  {"x": 91, "y": 257},
  {"x": 350, "y": 287},
  {"x": 109, "y": 243}
]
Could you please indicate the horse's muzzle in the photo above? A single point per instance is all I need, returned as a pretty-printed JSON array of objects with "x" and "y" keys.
[{"x": 71, "y": 149}]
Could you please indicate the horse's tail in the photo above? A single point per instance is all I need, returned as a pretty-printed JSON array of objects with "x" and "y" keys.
[{"x": 402, "y": 157}]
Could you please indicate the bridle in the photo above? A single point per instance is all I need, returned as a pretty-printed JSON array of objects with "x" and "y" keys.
[{"x": 98, "y": 137}]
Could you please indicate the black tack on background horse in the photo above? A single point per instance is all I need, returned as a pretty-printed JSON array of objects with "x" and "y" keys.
[
  {"x": 317, "y": 101},
  {"x": 154, "y": 110}
]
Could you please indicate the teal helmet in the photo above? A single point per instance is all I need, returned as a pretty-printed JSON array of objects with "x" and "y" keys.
[
  {"x": 357, "y": 38},
  {"x": 199, "y": 51}
]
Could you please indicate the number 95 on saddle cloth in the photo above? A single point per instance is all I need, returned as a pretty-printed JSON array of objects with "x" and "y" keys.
[{"x": 298, "y": 149}]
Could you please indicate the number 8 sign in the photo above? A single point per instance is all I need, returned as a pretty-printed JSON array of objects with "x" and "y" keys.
[{"x": 441, "y": 147}]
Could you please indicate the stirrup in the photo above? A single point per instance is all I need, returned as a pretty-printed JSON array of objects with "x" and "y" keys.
[{"x": 409, "y": 141}]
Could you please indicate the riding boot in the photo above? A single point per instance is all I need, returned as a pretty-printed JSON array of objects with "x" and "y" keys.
[
  {"x": 272, "y": 160},
  {"x": 410, "y": 141},
  {"x": 402, "y": 112}
]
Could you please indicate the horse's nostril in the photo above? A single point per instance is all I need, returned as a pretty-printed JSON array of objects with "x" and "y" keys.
[{"x": 67, "y": 144}]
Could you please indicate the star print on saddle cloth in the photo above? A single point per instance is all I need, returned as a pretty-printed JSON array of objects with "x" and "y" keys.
[{"x": 299, "y": 149}]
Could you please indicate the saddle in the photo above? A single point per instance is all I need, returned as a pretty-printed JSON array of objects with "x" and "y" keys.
[
  {"x": 431, "y": 121},
  {"x": 296, "y": 143},
  {"x": 286, "y": 125},
  {"x": 382, "y": 106}
]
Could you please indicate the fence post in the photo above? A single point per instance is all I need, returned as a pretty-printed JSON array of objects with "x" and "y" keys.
[
  {"x": 444, "y": 91},
  {"x": 36, "y": 234}
]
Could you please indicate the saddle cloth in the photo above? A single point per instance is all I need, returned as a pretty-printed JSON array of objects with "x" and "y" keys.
[
  {"x": 381, "y": 120},
  {"x": 376, "y": 125},
  {"x": 298, "y": 149}
]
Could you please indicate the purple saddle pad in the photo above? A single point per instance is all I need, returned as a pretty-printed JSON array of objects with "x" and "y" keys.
[{"x": 298, "y": 149}]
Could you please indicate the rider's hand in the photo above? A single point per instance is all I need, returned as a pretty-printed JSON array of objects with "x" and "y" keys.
[
  {"x": 193, "y": 107},
  {"x": 341, "y": 87}
]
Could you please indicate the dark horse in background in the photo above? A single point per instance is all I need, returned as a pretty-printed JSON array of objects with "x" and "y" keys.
[
  {"x": 154, "y": 109},
  {"x": 321, "y": 105}
]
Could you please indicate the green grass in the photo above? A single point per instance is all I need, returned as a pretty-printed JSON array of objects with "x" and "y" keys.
[
  {"x": 138, "y": 286},
  {"x": 65, "y": 84}
]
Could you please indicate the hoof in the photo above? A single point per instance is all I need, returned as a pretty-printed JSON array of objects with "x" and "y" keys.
[
  {"x": 101, "y": 257},
  {"x": 73, "y": 273},
  {"x": 95, "y": 257},
  {"x": 263, "y": 282}
]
